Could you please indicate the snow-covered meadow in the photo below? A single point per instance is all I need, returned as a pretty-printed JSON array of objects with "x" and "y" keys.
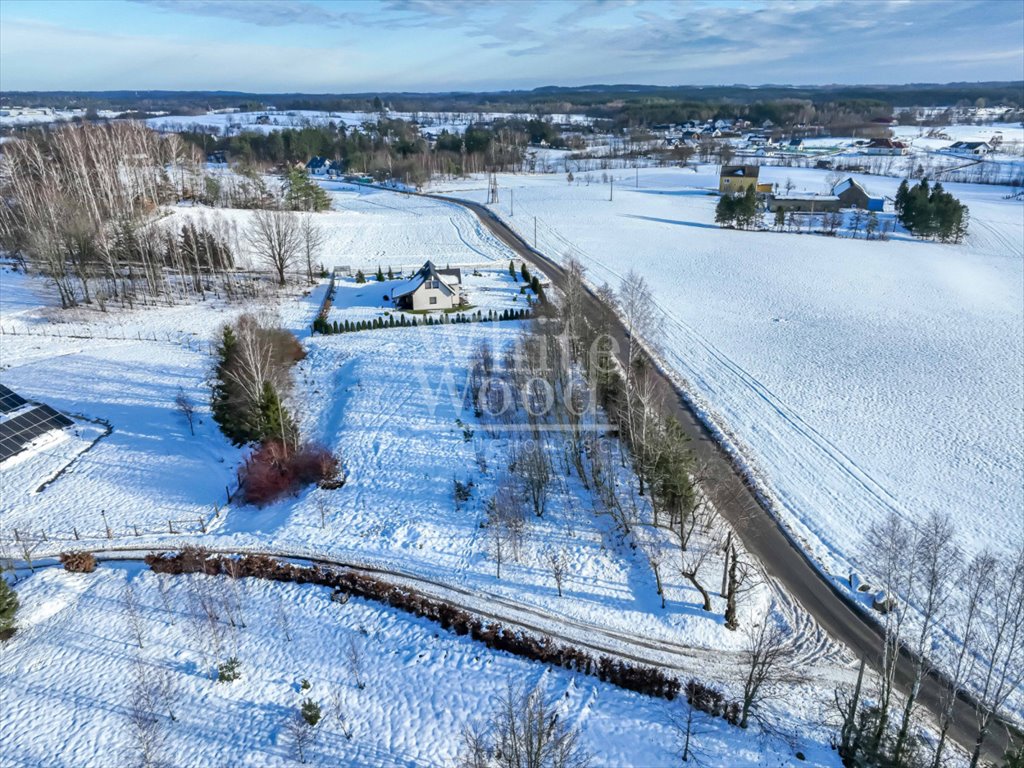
[
  {"x": 71, "y": 673},
  {"x": 852, "y": 377},
  {"x": 369, "y": 228},
  {"x": 386, "y": 402}
]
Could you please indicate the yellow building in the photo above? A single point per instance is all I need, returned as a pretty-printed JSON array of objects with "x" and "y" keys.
[{"x": 734, "y": 179}]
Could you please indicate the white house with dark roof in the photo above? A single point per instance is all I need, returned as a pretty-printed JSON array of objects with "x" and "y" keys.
[
  {"x": 430, "y": 289},
  {"x": 319, "y": 166},
  {"x": 969, "y": 148}
]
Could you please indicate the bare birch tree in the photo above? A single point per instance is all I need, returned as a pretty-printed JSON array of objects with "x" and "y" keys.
[
  {"x": 976, "y": 578},
  {"x": 276, "y": 237},
  {"x": 313, "y": 240},
  {"x": 524, "y": 732},
  {"x": 934, "y": 558},
  {"x": 132, "y": 611},
  {"x": 1001, "y": 643}
]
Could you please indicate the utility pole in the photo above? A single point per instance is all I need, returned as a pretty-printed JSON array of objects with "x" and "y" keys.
[
  {"x": 638, "y": 177},
  {"x": 492, "y": 190},
  {"x": 534, "y": 233},
  {"x": 611, "y": 189},
  {"x": 512, "y": 202}
]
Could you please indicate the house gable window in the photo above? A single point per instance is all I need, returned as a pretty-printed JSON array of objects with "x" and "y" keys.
[{"x": 433, "y": 299}]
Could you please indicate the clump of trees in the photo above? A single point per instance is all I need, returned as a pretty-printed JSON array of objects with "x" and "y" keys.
[
  {"x": 740, "y": 211},
  {"x": 974, "y": 636},
  {"x": 301, "y": 193},
  {"x": 931, "y": 212},
  {"x": 251, "y": 378},
  {"x": 77, "y": 206}
]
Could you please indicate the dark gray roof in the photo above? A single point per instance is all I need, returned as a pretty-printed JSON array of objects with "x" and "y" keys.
[{"x": 427, "y": 272}]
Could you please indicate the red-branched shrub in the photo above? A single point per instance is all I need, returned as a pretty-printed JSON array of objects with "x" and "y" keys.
[
  {"x": 78, "y": 562},
  {"x": 274, "y": 470}
]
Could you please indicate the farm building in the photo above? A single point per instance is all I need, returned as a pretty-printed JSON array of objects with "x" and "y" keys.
[
  {"x": 852, "y": 195},
  {"x": 804, "y": 203},
  {"x": 429, "y": 289}
]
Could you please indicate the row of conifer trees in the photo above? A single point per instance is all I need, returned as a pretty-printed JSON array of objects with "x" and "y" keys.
[{"x": 321, "y": 325}]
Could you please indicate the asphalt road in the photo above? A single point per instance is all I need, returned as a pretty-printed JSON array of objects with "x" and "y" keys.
[{"x": 764, "y": 537}]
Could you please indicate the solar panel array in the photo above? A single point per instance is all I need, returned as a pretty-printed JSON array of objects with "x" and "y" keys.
[
  {"x": 16, "y": 433},
  {"x": 9, "y": 400}
]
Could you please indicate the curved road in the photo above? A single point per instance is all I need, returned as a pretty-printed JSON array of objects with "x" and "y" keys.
[{"x": 762, "y": 534}]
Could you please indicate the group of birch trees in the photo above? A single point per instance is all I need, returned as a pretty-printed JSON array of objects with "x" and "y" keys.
[
  {"x": 81, "y": 206},
  {"x": 76, "y": 205},
  {"x": 948, "y": 614}
]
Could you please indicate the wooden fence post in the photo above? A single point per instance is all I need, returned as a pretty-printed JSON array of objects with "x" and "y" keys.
[
  {"x": 75, "y": 531},
  {"x": 202, "y": 525},
  {"x": 170, "y": 528}
]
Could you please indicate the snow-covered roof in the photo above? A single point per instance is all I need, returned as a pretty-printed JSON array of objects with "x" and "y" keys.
[
  {"x": 427, "y": 272},
  {"x": 842, "y": 186},
  {"x": 805, "y": 196}
]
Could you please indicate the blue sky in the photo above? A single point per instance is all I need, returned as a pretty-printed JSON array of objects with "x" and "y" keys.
[{"x": 318, "y": 46}]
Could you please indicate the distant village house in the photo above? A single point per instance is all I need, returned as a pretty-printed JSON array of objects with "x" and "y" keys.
[
  {"x": 970, "y": 148},
  {"x": 319, "y": 166},
  {"x": 885, "y": 147}
]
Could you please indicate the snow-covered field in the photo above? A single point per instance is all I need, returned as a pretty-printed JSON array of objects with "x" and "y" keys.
[
  {"x": 69, "y": 675},
  {"x": 370, "y": 227},
  {"x": 853, "y": 377},
  {"x": 388, "y": 402},
  {"x": 232, "y": 123}
]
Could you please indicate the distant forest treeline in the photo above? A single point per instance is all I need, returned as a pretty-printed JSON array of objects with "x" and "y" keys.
[{"x": 613, "y": 101}]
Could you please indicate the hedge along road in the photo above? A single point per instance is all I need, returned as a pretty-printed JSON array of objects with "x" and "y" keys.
[{"x": 763, "y": 535}]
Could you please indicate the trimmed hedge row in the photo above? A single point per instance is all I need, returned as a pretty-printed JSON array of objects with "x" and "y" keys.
[
  {"x": 650, "y": 681},
  {"x": 323, "y": 326}
]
